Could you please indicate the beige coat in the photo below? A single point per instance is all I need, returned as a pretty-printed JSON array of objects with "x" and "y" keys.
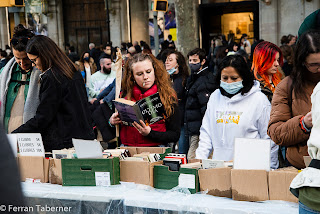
[{"x": 284, "y": 128}]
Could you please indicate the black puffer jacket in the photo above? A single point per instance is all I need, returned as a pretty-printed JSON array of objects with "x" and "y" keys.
[
  {"x": 63, "y": 112},
  {"x": 266, "y": 91},
  {"x": 198, "y": 90},
  {"x": 180, "y": 89}
]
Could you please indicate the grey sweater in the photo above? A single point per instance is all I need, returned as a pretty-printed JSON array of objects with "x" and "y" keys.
[{"x": 32, "y": 100}]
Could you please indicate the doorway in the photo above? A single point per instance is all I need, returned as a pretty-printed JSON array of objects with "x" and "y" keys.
[
  {"x": 84, "y": 22},
  {"x": 231, "y": 19}
]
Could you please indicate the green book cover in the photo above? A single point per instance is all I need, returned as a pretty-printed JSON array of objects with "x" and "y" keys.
[{"x": 149, "y": 109}]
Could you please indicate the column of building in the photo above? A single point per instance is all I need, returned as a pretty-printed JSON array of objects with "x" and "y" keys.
[{"x": 187, "y": 25}]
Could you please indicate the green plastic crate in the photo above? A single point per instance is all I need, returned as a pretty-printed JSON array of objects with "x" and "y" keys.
[
  {"x": 163, "y": 178},
  {"x": 81, "y": 172}
]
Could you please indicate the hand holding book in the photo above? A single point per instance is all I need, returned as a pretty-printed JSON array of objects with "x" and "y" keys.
[
  {"x": 115, "y": 119},
  {"x": 143, "y": 129},
  {"x": 149, "y": 109}
]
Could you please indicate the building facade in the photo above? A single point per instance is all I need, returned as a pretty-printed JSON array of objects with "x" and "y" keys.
[{"x": 191, "y": 22}]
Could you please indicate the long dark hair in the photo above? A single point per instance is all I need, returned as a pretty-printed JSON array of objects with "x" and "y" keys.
[
  {"x": 82, "y": 56},
  {"x": 183, "y": 67},
  {"x": 51, "y": 56},
  {"x": 240, "y": 65},
  {"x": 308, "y": 43}
]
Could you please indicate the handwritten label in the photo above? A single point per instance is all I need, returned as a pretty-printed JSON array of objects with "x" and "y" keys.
[
  {"x": 102, "y": 179},
  {"x": 30, "y": 145},
  {"x": 208, "y": 164},
  {"x": 187, "y": 181}
]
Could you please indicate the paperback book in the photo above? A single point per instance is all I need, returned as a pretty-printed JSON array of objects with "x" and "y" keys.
[{"x": 150, "y": 110}]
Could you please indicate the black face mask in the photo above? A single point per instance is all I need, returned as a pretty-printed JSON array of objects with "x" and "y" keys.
[
  {"x": 86, "y": 59},
  {"x": 195, "y": 67},
  {"x": 106, "y": 70}
]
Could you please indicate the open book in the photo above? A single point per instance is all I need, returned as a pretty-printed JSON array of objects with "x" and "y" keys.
[{"x": 149, "y": 109}]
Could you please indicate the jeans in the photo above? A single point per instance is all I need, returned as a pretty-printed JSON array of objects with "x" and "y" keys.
[
  {"x": 183, "y": 142},
  {"x": 303, "y": 209}
]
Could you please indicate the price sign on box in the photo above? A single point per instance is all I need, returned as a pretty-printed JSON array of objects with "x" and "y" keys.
[
  {"x": 30, "y": 144},
  {"x": 103, "y": 179},
  {"x": 187, "y": 181}
]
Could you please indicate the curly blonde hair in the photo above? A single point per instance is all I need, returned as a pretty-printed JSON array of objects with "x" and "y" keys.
[{"x": 167, "y": 94}]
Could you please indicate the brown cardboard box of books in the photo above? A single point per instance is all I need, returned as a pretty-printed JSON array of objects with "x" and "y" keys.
[
  {"x": 55, "y": 171},
  {"x": 217, "y": 181},
  {"x": 249, "y": 185},
  {"x": 140, "y": 172},
  {"x": 34, "y": 167},
  {"x": 279, "y": 183}
]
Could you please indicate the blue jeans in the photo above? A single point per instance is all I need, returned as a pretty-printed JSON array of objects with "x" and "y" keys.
[
  {"x": 183, "y": 143},
  {"x": 303, "y": 209}
]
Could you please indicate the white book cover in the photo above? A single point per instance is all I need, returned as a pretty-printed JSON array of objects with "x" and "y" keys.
[
  {"x": 13, "y": 141},
  {"x": 90, "y": 149},
  {"x": 252, "y": 154}
]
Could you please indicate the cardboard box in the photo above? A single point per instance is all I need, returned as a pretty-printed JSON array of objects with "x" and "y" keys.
[
  {"x": 216, "y": 181},
  {"x": 249, "y": 185},
  {"x": 82, "y": 172},
  {"x": 165, "y": 179},
  {"x": 55, "y": 171},
  {"x": 140, "y": 172},
  {"x": 279, "y": 183},
  {"x": 34, "y": 167},
  {"x": 163, "y": 151}
]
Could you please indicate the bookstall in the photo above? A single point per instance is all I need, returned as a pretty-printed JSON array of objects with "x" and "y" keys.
[{"x": 138, "y": 198}]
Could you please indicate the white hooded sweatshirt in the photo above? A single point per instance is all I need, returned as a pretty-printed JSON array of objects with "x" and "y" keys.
[
  {"x": 309, "y": 177},
  {"x": 242, "y": 116}
]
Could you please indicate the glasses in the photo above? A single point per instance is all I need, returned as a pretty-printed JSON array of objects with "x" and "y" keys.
[
  {"x": 34, "y": 60},
  {"x": 313, "y": 67},
  {"x": 23, "y": 40}
]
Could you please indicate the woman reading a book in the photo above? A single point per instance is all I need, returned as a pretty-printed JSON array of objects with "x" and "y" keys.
[
  {"x": 144, "y": 76},
  {"x": 238, "y": 109}
]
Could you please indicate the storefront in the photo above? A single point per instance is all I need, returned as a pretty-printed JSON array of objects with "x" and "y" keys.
[{"x": 231, "y": 19}]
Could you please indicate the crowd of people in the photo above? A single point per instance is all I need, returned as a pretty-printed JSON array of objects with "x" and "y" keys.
[{"x": 240, "y": 90}]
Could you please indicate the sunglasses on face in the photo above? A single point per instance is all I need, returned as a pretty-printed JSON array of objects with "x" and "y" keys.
[{"x": 23, "y": 40}]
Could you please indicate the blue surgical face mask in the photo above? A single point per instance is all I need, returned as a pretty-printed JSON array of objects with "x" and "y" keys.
[
  {"x": 172, "y": 70},
  {"x": 231, "y": 88}
]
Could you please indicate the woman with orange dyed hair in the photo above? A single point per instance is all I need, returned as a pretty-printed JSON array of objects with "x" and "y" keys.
[{"x": 267, "y": 58}]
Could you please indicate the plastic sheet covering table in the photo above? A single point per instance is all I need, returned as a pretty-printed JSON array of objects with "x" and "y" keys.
[{"x": 138, "y": 199}]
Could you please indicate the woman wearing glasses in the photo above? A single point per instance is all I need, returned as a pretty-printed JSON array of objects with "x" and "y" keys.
[
  {"x": 290, "y": 121},
  {"x": 63, "y": 111}
]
